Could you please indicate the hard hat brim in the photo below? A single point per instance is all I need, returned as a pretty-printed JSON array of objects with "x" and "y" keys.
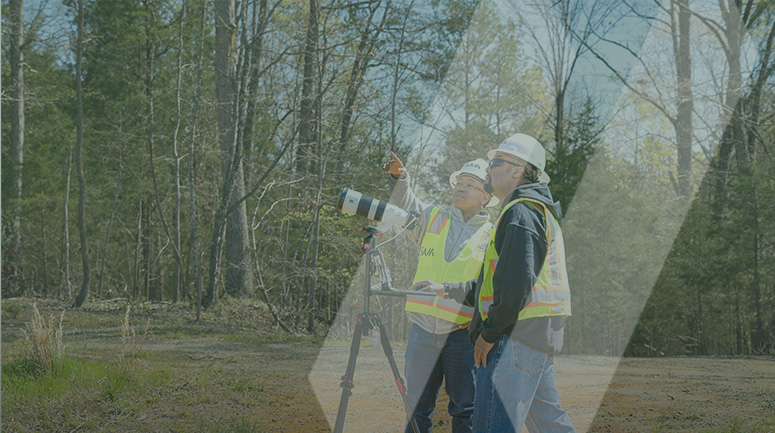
[{"x": 453, "y": 177}]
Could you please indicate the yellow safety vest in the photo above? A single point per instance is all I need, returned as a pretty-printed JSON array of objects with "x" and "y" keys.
[
  {"x": 551, "y": 294},
  {"x": 432, "y": 266}
]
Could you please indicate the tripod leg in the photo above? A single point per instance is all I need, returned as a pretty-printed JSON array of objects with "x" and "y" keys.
[
  {"x": 347, "y": 379},
  {"x": 385, "y": 341}
]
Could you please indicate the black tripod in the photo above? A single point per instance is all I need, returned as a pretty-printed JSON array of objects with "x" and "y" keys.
[{"x": 366, "y": 321}]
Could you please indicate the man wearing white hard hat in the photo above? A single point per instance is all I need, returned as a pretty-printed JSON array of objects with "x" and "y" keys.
[
  {"x": 521, "y": 297},
  {"x": 452, "y": 247}
]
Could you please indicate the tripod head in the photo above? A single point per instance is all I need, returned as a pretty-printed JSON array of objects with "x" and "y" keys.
[{"x": 368, "y": 240}]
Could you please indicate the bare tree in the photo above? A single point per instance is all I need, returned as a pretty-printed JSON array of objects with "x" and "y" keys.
[
  {"x": 230, "y": 226},
  {"x": 674, "y": 102},
  {"x": 307, "y": 118},
  {"x": 308, "y": 130},
  {"x": 176, "y": 156},
  {"x": 557, "y": 50},
  {"x": 150, "y": 55},
  {"x": 736, "y": 17},
  {"x": 685, "y": 105},
  {"x": 238, "y": 276},
  {"x": 17, "y": 124},
  {"x": 79, "y": 159},
  {"x": 192, "y": 164},
  {"x": 66, "y": 229},
  {"x": 255, "y": 52}
]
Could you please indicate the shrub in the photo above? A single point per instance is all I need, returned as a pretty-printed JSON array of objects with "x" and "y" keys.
[{"x": 44, "y": 343}]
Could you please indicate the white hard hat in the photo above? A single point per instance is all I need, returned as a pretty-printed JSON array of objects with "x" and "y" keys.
[
  {"x": 527, "y": 148},
  {"x": 476, "y": 169}
]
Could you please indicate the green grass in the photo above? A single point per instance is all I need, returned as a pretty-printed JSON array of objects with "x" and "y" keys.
[
  {"x": 663, "y": 424},
  {"x": 159, "y": 377},
  {"x": 22, "y": 382},
  {"x": 766, "y": 392},
  {"x": 33, "y": 401}
]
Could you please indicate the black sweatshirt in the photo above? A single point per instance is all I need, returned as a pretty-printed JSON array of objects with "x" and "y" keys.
[{"x": 520, "y": 241}]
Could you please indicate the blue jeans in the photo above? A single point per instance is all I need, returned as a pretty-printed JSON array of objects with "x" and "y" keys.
[
  {"x": 517, "y": 388},
  {"x": 431, "y": 358}
]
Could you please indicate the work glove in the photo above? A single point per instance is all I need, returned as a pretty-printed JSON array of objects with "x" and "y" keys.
[{"x": 395, "y": 167}]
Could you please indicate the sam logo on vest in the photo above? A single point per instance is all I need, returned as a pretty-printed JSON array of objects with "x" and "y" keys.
[{"x": 424, "y": 251}]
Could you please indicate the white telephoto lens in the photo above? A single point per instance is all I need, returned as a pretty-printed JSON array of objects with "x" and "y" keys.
[{"x": 354, "y": 203}]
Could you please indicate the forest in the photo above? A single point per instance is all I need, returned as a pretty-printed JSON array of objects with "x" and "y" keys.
[{"x": 190, "y": 151}]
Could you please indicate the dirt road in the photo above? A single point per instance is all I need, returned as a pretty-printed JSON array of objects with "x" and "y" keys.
[{"x": 601, "y": 394}]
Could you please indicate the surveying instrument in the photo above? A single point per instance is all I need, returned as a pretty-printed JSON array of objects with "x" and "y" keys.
[{"x": 366, "y": 320}]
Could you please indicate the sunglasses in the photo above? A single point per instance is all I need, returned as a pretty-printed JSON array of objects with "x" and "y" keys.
[{"x": 497, "y": 162}]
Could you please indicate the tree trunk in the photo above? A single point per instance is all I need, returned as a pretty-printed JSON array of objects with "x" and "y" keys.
[
  {"x": 285, "y": 296},
  {"x": 192, "y": 165},
  {"x": 176, "y": 156},
  {"x": 683, "y": 125},
  {"x": 238, "y": 273},
  {"x": 260, "y": 19},
  {"x": 307, "y": 118},
  {"x": 107, "y": 235},
  {"x": 66, "y": 229},
  {"x": 734, "y": 34},
  {"x": 138, "y": 251},
  {"x": 16, "y": 9},
  {"x": 758, "y": 336},
  {"x": 313, "y": 279},
  {"x": 79, "y": 160}
]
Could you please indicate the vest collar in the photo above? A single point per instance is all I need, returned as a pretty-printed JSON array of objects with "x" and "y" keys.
[{"x": 476, "y": 220}]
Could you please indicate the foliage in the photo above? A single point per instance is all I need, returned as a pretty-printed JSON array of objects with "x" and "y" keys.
[
  {"x": 717, "y": 266},
  {"x": 569, "y": 162}
]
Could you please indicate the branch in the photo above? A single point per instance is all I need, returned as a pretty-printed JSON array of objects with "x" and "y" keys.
[
  {"x": 623, "y": 80},
  {"x": 267, "y": 171},
  {"x": 714, "y": 27}
]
